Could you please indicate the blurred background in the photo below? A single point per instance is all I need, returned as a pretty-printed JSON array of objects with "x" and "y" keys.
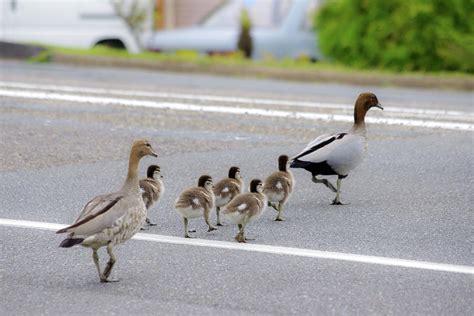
[{"x": 396, "y": 35}]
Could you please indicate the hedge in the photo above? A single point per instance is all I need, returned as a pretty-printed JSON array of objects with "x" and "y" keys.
[{"x": 426, "y": 35}]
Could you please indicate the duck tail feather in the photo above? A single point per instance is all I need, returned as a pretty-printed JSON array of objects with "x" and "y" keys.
[{"x": 69, "y": 242}]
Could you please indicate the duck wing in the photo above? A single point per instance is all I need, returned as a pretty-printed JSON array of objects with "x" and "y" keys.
[
  {"x": 151, "y": 191},
  {"x": 342, "y": 152},
  {"x": 98, "y": 214}
]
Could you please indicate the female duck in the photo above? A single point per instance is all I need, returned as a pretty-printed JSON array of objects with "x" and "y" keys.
[{"x": 111, "y": 219}]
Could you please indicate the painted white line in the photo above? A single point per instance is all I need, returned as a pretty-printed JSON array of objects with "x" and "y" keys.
[
  {"x": 241, "y": 100},
  {"x": 233, "y": 110},
  {"x": 276, "y": 250}
]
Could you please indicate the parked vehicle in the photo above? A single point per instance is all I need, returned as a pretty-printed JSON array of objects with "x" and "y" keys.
[
  {"x": 68, "y": 23},
  {"x": 280, "y": 28}
]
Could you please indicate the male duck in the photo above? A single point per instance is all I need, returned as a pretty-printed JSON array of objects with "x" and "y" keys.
[{"x": 338, "y": 154}]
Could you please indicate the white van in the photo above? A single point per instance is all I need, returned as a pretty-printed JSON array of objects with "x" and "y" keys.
[{"x": 69, "y": 23}]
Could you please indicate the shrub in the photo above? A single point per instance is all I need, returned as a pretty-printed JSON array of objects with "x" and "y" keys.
[{"x": 428, "y": 35}]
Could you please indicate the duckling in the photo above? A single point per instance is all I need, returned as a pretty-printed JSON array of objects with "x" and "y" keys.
[
  {"x": 226, "y": 189},
  {"x": 246, "y": 207},
  {"x": 111, "y": 219},
  {"x": 339, "y": 153},
  {"x": 152, "y": 189},
  {"x": 196, "y": 202},
  {"x": 279, "y": 186}
]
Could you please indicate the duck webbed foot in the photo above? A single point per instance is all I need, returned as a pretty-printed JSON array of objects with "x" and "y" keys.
[
  {"x": 334, "y": 202},
  {"x": 150, "y": 223},
  {"x": 211, "y": 228},
  {"x": 104, "y": 280}
]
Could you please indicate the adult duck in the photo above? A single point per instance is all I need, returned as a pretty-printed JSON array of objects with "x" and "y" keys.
[
  {"x": 111, "y": 219},
  {"x": 339, "y": 153}
]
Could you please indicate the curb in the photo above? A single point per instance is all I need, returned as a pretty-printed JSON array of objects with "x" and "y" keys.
[{"x": 415, "y": 81}]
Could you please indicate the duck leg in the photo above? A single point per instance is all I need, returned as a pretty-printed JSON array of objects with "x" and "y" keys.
[
  {"x": 280, "y": 210},
  {"x": 218, "y": 214},
  {"x": 208, "y": 222},
  {"x": 95, "y": 256},
  {"x": 240, "y": 236},
  {"x": 272, "y": 206},
  {"x": 337, "y": 200},
  {"x": 325, "y": 182},
  {"x": 186, "y": 230},
  {"x": 109, "y": 266}
]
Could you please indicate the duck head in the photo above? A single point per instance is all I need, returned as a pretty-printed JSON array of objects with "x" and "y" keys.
[
  {"x": 234, "y": 173},
  {"x": 205, "y": 182},
  {"x": 256, "y": 186},
  {"x": 364, "y": 103},
  {"x": 154, "y": 172},
  {"x": 142, "y": 148},
  {"x": 283, "y": 162}
]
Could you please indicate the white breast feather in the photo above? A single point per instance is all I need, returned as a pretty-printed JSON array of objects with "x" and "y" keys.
[
  {"x": 226, "y": 189},
  {"x": 279, "y": 185},
  {"x": 196, "y": 201}
]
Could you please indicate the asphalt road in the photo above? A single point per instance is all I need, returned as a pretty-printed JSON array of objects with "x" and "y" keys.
[{"x": 410, "y": 199}]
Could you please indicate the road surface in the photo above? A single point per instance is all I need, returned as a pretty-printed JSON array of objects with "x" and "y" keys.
[{"x": 402, "y": 246}]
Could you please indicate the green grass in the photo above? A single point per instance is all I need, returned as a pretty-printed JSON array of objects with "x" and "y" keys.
[{"x": 235, "y": 59}]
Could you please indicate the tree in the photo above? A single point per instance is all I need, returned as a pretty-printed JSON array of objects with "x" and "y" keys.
[
  {"x": 134, "y": 13},
  {"x": 245, "y": 44}
]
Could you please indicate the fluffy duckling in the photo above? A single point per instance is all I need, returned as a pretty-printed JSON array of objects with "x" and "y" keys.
[
  {"x": 111, "y": 219},
  {"x": 279, "y": 186},
  {"x": 339, "y": 153},
  {"x": 196, "y": 202},
  {"x": 152, "y": 189},
  {"x": 246, "y": 207},
  {"x": 226, "y": 189}
]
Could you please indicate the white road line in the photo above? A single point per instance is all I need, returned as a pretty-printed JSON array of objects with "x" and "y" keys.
[
  {"x": 241, "y": 100},
  {"x": 233, "y": 110},
  {"x": 289, "y": 251}
]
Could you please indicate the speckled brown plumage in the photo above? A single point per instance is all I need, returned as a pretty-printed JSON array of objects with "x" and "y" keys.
[{"x": 113, "y": 218}]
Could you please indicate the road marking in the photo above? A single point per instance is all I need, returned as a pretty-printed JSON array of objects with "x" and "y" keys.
[
  {"x": 233, "y": 110},
  {"x": 277, "y": 250},
  {"x": 241, "y": 100}
]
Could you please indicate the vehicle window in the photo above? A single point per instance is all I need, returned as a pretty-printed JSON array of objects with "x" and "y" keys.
[{"x": 268, "y": 13}]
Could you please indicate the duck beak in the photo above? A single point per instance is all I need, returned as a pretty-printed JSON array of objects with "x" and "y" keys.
[
  {"x": 379, "y": 106},
  {"x": 153, "y": 153}
]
